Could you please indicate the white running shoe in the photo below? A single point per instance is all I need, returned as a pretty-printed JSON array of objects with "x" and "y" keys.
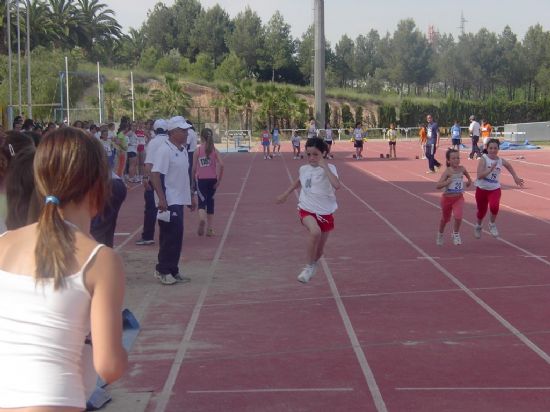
[
  {"x": 456, "y": 239},
  {"x": 307, "y": 273},
  {"x": 439, "y": 239},
  {"x": 477, "y": 231},
  {"x": 493, "y": 229}
]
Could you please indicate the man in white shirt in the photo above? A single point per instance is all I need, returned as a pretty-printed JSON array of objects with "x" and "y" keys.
[
  {"x": 150, "y": 214},
  {"x": 474, "y": 129},
  {"x": 170, "y": 179}
]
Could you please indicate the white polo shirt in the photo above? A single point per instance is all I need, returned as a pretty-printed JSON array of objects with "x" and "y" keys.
[
  {"x": 173, "y": 164},
  {"x": 153, "y": 145},
  {"x": 191, "y": 140}
]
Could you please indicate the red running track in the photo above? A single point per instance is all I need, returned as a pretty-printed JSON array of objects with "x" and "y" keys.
[{"x": 390, "y": 322}]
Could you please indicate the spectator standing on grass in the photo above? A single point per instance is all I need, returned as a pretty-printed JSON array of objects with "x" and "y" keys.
[
  {"x": 488, "y": 190},
  {"x": 57, "y": 285},
  {"x": 455, "y": 136},
  {"x": 432, "y": 142},
  {"x": 207, "y": 175},
  {"x": 159, "y": 138},
  {"x": 170, "y": 178},
  {"x": 318, "y": 182},
  {"x": 474, "y": 130},
  {"x": 452, "y": 199}
]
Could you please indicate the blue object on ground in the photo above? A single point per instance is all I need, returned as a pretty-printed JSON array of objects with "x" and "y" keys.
[
  {"x": 130, "y": 325},
  {"x": 518, "y": 146}
]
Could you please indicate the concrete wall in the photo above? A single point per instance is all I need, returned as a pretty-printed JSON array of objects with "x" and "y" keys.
[{"x": 531, "y": 131}]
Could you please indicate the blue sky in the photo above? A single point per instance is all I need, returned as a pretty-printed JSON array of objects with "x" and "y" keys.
[{"x": 354, "y": 17}]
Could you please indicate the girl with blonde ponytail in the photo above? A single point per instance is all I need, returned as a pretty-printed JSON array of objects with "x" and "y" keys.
[{"x": 57, "y": 284}]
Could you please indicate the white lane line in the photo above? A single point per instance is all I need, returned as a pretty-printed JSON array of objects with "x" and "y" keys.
[
  {"x": 123, "y": 234},
  {"x": 513, "y": 245},
  {"x": 274, "y": 390},
  {"x": 164, "y": 397},
  {"x": 130, "y": 237},
  {"x": 359, "y": 352},
  {"x": 531, "y": 345},
  {"x": 511, "y": 388}
]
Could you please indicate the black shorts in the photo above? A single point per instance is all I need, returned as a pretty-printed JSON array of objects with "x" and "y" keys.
[
  {"x": 131, "y": 154},
  {"x": 392, "y": 143},
  {"x": 329, "y": 142},
  {"x": 358, "y": 144},
  {"x": 455, "y": 142}
]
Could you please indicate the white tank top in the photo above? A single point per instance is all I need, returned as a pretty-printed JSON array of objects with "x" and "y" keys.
[
  {"x": 492, "y": 180},
  {"x": 457, "y": 184},
  {"x": 43, "y": 358}
]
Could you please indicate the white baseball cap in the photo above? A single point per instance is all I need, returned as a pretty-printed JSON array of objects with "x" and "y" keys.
[
  {"x": 178, "y": 122},
  {"x": 160, "y": 124}
]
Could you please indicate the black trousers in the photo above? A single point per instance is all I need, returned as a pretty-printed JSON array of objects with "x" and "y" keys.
[
  {"x": 149, "y": 215},
  {"x": 170, "y": 241},
  {"x": 104, "y": 224}
]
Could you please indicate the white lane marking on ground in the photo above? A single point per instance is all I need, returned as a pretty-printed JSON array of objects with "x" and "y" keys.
[
  {"x": 123, "y": 234},
  {"x": 130, "y": 237},
  {"x": 531, "y": 345},
  {"x": 529, "y": 163},
  {"x": 274, "y": 390},
  {"x": 511, "y": 388},
  {"x": 359, "y": 352},
  {"x": 501, "y": 239},
  {"x": 164, "y": 397}
]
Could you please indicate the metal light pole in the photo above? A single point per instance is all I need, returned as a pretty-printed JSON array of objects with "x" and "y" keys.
[
  {"x": 10, "y": 85},
  {"x": 29, "y": 93},
  {"x": 133, "y": 102},
  {"x": 99, "y": 94},
  {"x": 19, "y": 59},
  {"x": 67, "y": 89},
  {"x": 319, "y": 73}
]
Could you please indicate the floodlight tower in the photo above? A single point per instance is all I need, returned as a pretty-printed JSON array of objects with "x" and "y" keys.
[
  {"x": 463, "y": 22},
  {"x": 319, "y": 72}
]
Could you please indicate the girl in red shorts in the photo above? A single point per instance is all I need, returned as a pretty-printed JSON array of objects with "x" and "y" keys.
[
  {"x": 488, "y": 186},
  {"x": 452, "y": 200},
  {"x": 318, "y": 181}
]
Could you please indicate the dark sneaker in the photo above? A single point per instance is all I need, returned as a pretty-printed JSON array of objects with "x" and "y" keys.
[
  {"x": 143, "y": 242},
  {"x": 181, "y": 279}
]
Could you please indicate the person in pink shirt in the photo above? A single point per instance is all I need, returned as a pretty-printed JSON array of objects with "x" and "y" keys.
[{"x": 207, "y": 173}]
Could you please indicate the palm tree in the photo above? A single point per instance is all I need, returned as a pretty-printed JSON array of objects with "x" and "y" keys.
[
  {"x": 225, "y": 100},
  {"x": 64, "y": 17},
  {"x": 171, "y": 99},
  {"x": 43, "y": 30},
  {"x": 97, "y": 23},
  {"x": 244, "y": 96}
]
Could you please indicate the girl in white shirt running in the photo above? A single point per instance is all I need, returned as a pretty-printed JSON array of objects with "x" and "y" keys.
[
  {"x": 318, "y": 182},
  {"x": 488, "y": 186}
]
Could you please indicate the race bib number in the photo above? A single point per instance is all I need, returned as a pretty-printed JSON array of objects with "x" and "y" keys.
[{"x": 204, "y": 161}]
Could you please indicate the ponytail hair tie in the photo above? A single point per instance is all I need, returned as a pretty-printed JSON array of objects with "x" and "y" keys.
[{"x": 52, "y": 199}]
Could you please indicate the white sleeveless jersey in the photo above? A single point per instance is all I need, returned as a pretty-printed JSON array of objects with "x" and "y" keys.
[
  {"x": 457, "y": 184},
  {"x": 492, "y": 180}
]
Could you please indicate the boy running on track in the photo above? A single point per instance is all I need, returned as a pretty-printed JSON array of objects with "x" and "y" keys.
[
  {"x": 452, "y": 200},
  {"x": 266, "y": 141},
  {"x": 423, "y": 138},
  {"x": 328, "y": 140},
  {"x": 488, "y": 186},
  {"x": 318, "y": 181}
]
